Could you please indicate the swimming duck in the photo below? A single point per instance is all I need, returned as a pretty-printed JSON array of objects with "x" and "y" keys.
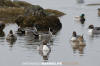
[
  {"x": 93, "y": 30},
  {"x": 47, "y": 36},
  {"x": 31, "y": 30},
  {"x": 76, "y": 37},
  {"x": 81, "y": 18},
  {"x": 11, "y": 36},
  {"x": 44, "y": 48}
]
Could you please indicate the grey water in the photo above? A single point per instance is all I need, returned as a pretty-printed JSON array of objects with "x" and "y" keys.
[{"x": 25, "y": 49}]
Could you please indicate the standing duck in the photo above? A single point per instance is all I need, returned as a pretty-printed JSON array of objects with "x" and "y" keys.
[{"x": 11, "y": 36}]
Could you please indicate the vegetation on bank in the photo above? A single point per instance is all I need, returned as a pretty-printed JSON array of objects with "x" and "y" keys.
[
  {"x": 8, "y": 3},
  {"x": 28, "y": 15}
]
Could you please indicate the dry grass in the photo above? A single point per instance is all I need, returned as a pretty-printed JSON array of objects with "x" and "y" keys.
[
  {"x": 11, "y": 12},
  {"x": 21, "y": 4},
  {"x": 14, "y": 4},
  {"x": 55, "y": 12}
]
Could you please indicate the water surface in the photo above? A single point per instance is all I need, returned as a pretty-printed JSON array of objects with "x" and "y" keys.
[{"x": 25, "y": 49}]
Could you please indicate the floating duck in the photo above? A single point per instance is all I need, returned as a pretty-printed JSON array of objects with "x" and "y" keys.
[
  {"x": 44, "y": 49},
  {"x": 47, "y": 36},
  {"x": 30, "y": 30},
  {"x": 11, "y": 36},
  {"x": 81, "y": 18},
  {"x": 76, "y": 37},
  {"x": 93, "y": 30}
]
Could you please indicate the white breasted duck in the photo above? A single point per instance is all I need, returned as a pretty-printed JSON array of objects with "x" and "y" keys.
[
  {"x": 44, "y": 49},
  {"x": 74, "y": 36},
  {"x": 11, "y": 36},
  {"x": 93, "y": 30},
  {"x": 47, "y": 36},
  {"x": 45, "y": 46}
]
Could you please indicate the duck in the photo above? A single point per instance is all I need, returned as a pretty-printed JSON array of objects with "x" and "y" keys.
[
  {"x": 44, "y": 48},
  {"x": 93, "y": 30},
  {"x": 76, "y": 37},
  {"x": 32, "y": 30},
  {"x": 47, "y": 36},
  {"x": 11, "y": 36},
  {"x": 81, "y": 41},
  {"x": 81, "y": 18}
]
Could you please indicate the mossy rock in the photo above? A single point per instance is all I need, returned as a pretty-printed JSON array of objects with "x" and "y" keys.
[{"x": 42, "y": 23}]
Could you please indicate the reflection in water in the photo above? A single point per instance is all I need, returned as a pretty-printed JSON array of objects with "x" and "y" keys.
[
  {"x": 11, "y": 43},
  {"x": 78, "y": 46},
  {"x": 80, "y": 1}
]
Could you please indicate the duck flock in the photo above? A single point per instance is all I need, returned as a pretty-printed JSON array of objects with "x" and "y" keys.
[
  {"x": 77, "y": 41},
  {"x": 44, "y": 38}
]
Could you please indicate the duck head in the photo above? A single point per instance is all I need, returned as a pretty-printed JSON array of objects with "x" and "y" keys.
[
  {"x": 82, "y": 15},
  {"x": 74, "y": 34},
  {"x": 91, "y": 27},
  {"x": 11, "y": 32},
  {"x": 45, "y": 42}
]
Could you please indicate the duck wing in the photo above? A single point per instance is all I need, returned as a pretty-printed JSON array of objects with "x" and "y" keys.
[{"x": 97, "y": 28}]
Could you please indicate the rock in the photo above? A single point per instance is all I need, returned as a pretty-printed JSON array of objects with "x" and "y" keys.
[
  {"x": 34, "y": 10},
  {"x": 42, "y": 23}
]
